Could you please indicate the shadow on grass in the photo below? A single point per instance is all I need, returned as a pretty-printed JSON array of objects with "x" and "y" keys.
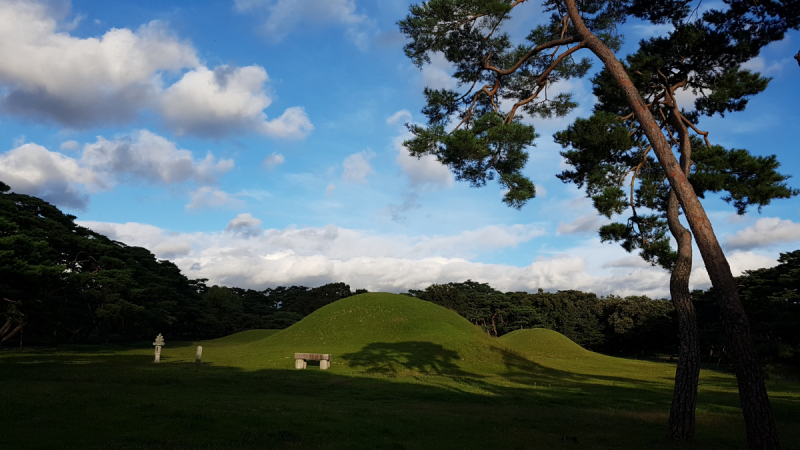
[{"x": 423, "y": 357}]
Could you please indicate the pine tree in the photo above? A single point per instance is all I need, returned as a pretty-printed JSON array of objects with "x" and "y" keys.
[{"x": 477, "y": 132}]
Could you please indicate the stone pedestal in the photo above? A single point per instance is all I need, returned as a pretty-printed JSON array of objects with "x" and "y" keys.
[
  {"x": 158, "y": 354},
  {"x": 299, "y": 363},
  {"x": 324, "y": 364},
  {"x": 199, "y": 354}
]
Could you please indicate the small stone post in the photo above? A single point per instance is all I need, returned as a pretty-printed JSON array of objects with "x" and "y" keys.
[
  {"x": 158, "y": 343},
  {"x": 199, "y": 354}
]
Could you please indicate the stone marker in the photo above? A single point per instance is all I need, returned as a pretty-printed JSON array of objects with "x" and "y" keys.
[
  {"x": 199, "y": 354},
  {"x": 158, "y": 343}
]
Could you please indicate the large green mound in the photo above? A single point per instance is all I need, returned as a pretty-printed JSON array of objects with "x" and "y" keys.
[
  {"x": 374, "y": 332},
  {"x": 378, "y": 317}
]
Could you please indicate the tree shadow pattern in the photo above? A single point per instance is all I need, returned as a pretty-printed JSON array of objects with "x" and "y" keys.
[{"x": 391, "y": 358}]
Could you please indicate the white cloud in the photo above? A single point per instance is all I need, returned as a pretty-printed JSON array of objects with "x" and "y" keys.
[
  {"x": 651, "y": 30},
  {"x": 586, "y": 224},
  {"x": 765, "y": 232},
  {"x": 398, "y": 117},
  {"x": 99, "y": 80},
  {"x": 171, "y": 250},
  {"x": 315, "y": 256},
  {"x": 146, "y": 156},
  {"x": 32, "y": 169},
  {"x": 292, "y": 124},
  {"x": 759, "y": 64},
  {"x": 628, "y": 262},
  {"x": 436, "y": 74},
  {"x": 113, "y": 78},
  {"x": 357, "y": 167},
  {"x": 213, "y": 103},
  {"x": 425, "y": 173},
  {"x": 70, "y": 145},
  {"x": 329, "y": 190},
  {"x": 207, "y": 197},
  {"x": 284, "y": 16},
  {"x": 244, "y": 225},
  {"x": 272, "y": 161},
  {"x": 140, "y": 156}
]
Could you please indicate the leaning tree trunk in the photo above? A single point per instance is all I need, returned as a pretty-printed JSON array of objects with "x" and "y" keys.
[
  {"x": 759, "y": 420},
  {"x": 687, "y": 374}
]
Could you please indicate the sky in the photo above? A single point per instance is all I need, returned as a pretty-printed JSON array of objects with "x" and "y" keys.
[{"x": 258, "y": 143}]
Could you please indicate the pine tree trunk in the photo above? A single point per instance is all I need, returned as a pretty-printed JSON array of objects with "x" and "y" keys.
[
  {"x": 687, "y": 374},
  {"x": 759, "y": 421}
]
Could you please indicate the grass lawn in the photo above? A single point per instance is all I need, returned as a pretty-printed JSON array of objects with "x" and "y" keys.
[{"x": 406, "y": 374}]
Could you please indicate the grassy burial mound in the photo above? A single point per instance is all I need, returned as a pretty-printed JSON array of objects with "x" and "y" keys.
[
  {"x": 373, "y": 333},
  {"x": 554, "y": 350}
]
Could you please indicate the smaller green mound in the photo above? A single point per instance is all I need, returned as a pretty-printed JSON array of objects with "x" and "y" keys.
[
  {"x": 541, "y": 342},
  {"x": 244, "y": 337}
]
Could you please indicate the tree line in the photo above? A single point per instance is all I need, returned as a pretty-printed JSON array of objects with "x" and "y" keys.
[{"x": 64, "y": 283}]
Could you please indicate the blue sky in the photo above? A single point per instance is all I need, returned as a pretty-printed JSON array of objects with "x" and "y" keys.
[{"x": 259, "y": 143}]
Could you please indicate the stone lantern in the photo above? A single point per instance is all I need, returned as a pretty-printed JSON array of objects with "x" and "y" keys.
[{"x": 158, "y": 343}]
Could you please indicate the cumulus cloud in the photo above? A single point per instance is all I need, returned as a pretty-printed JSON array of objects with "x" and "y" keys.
[
  {"x": 146, "y": 156},
  {"x": 70, "y": 145},
  {"x": 284, "y": 16},
  {"x": 425, "y": 173},
  {"x": 32, "y": 169},
  {"x": 244, "y": 225},
  {"x": 357, "y": 167},
  {"x": 765, "y": 232},
  {"x": 401, "y": 116},
  {"x": 140, "y": 156},
  {"x": 586, "y": 224},
  {"x": 106, "y": 79},
  {"x": 212, "y": 103},
  {"x": 272, "y": 161},
  {"x": 436, "y": 74},
  {"x": 113, "y": 78},
  {"x": 208, "y": 197},
  {"x": 628, "y": 262},
  {"x": 313, "y": 256}
]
